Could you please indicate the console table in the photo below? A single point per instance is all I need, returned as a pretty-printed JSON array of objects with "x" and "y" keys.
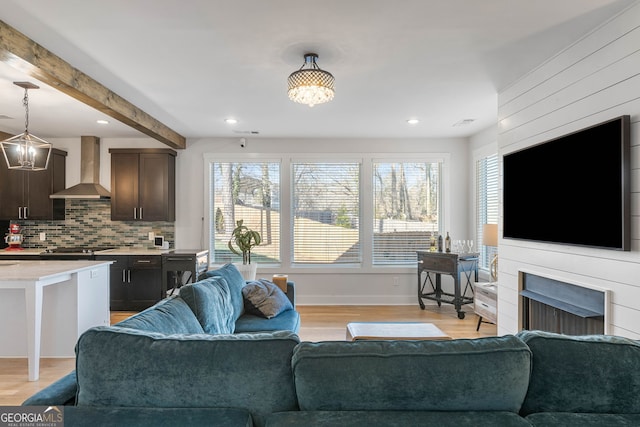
[{"x": 462, "y": 267}]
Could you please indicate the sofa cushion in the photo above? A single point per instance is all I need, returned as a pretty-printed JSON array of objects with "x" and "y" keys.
[
  {"x": 592, "y": 374},
  {"x": 132, "y": 368},
  {"x": 156, "y": 417},
  {"x": 567, "y": 419},
  {"x": 286, "y": 321},
  {"x": 396, "y": 419},
  {"x": 484, "y": 374},
  {"x": 210, "y": 301},
  {"x": 264, "y": 298},
  {"x": 61, "y": 392},
  {"x": 169, "y": 316},
  {"x": 236, "y": 282}
]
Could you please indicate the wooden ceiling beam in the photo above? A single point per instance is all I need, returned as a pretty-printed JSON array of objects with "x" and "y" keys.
[{"x": 22, "y": 53}]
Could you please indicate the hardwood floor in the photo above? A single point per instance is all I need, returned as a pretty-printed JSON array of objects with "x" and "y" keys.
[
  {"x": 328, "y": 323},
  {"x": 319, "y": 323}
]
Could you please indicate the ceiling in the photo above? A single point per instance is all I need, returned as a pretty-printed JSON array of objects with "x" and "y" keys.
[{"x": 192, "y": 63}]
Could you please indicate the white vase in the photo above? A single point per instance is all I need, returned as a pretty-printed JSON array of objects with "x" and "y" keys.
[{"x": 248, "y": 271}]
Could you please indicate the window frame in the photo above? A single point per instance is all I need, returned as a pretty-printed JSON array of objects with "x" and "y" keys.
[
  {"x": 441, "y": 228},
  {"x": 324, "y": 159},
  {"x": 208, "y": 235},
  {"x": 366, "y": 201},
  {"x": 485, "y": 255}
]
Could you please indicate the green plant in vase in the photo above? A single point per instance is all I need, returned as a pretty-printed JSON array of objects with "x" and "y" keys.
[{"x": 242, "y": 240}]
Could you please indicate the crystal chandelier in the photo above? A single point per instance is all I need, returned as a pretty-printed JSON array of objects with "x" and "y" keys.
[
  {"x": 26, "y": 151},
  {"x": 311, "y": 85}
]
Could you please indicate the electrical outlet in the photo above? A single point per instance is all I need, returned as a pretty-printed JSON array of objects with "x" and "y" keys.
[
  {"x": 43, "y": 236},
  {"x": 152, "y": 235},
  {"x": 396, "y": 281}
]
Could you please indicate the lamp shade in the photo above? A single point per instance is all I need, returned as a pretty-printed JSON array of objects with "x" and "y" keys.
[
  {"x": 490, "y": 235},
  {"x": 311, "y": 85},
  {"x": 26, "y": 151}
]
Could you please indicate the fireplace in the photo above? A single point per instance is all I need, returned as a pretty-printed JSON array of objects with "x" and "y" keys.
[{"x": 558, "y": 306}]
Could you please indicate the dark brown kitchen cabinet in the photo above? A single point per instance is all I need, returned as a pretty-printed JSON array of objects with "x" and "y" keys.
[
  {"x": 143, "y": 183},
  {"x": 25, "y": 195},
  {"x": 135, "y": 281}
]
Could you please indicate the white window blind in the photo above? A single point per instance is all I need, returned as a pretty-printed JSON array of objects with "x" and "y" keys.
[
  {"x": 406, "y": 204},
  {"x": 486, "y": 203},
  {"x": 248, "y": 191},
  {"x": 325, "y": 213}
]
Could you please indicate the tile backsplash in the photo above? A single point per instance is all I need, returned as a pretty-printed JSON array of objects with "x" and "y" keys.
[{"x": 88, "y": 223}]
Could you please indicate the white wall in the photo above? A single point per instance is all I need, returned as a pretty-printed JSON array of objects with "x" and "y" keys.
[
  {"x": 595, "y": 79},
  {"x": 72, "y": 147}
]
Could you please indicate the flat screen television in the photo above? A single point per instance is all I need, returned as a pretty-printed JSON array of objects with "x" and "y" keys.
[{"x": 571, "y": 190}]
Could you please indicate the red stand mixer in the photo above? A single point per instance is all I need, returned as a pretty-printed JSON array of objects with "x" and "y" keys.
[{"x": 14, "y": 238}]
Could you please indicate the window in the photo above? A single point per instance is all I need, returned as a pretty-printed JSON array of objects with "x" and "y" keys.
[
  {"x": 406, "y": 205},
  {"x": 249, "y": 191},
  {"x": 325, "y": 213},
  {"x": 486, "y": 203}
]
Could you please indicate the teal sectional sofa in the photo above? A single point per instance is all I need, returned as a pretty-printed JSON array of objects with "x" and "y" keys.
[
  {"x": 210, "y": 313},
  {"x": 271, "y": 379},
  {"x": 161, "y": 368}
]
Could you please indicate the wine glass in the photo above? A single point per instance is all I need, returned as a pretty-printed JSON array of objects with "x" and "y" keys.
[{"x": 470, "y": 244}]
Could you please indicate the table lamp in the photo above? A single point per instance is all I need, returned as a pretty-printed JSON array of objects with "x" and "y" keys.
[{"x": 490, "y": 238}]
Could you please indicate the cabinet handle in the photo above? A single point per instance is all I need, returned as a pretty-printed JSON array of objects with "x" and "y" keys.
[
  {"x": 135, "y": 213},
  {"x": 123, "y": 277},
  {"x": 19, "y": 212},
  {"x": 25, "y": 216},
  {"x": 141, "y": 261},
  {"x": 129, "y": 276},
  {"x": 140, "y": 213}
]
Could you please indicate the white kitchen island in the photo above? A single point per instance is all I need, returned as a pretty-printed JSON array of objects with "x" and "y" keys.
[{"x": 46, "y": 305}]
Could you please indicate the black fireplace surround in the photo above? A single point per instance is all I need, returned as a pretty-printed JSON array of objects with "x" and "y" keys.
[{"x": 554, "y": 306}]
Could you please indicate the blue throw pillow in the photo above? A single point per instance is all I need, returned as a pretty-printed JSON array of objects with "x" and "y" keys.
[
  {"x": 210, "y": 301},
  {"x": 264, "y": 298},
  {"x": 236, "y": 282}
]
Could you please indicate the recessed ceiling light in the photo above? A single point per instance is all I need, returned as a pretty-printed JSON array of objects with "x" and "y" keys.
[
  {"x": 231, "y": 121},
  {"x": 413, "y": 121},
  {"x": 102, "y": 122}
]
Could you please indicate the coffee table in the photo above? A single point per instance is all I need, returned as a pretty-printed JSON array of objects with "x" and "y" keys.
[{"x": 394, "y": 331}]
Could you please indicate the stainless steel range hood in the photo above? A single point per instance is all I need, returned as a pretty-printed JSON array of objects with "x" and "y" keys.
[{"x": 89, "y": 187}]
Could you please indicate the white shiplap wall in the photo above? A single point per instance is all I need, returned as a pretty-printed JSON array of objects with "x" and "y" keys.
[{"x": 595, "y": 79}]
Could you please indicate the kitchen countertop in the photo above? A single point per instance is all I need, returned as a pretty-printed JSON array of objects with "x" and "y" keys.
[
  {"x": 22, "y": 252},
  {"x": 77, "y": 298},
  {"x": 41, "y": 270},
  {"x": 134, "y": 251},
  {"x": 116, "y": 251}
]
